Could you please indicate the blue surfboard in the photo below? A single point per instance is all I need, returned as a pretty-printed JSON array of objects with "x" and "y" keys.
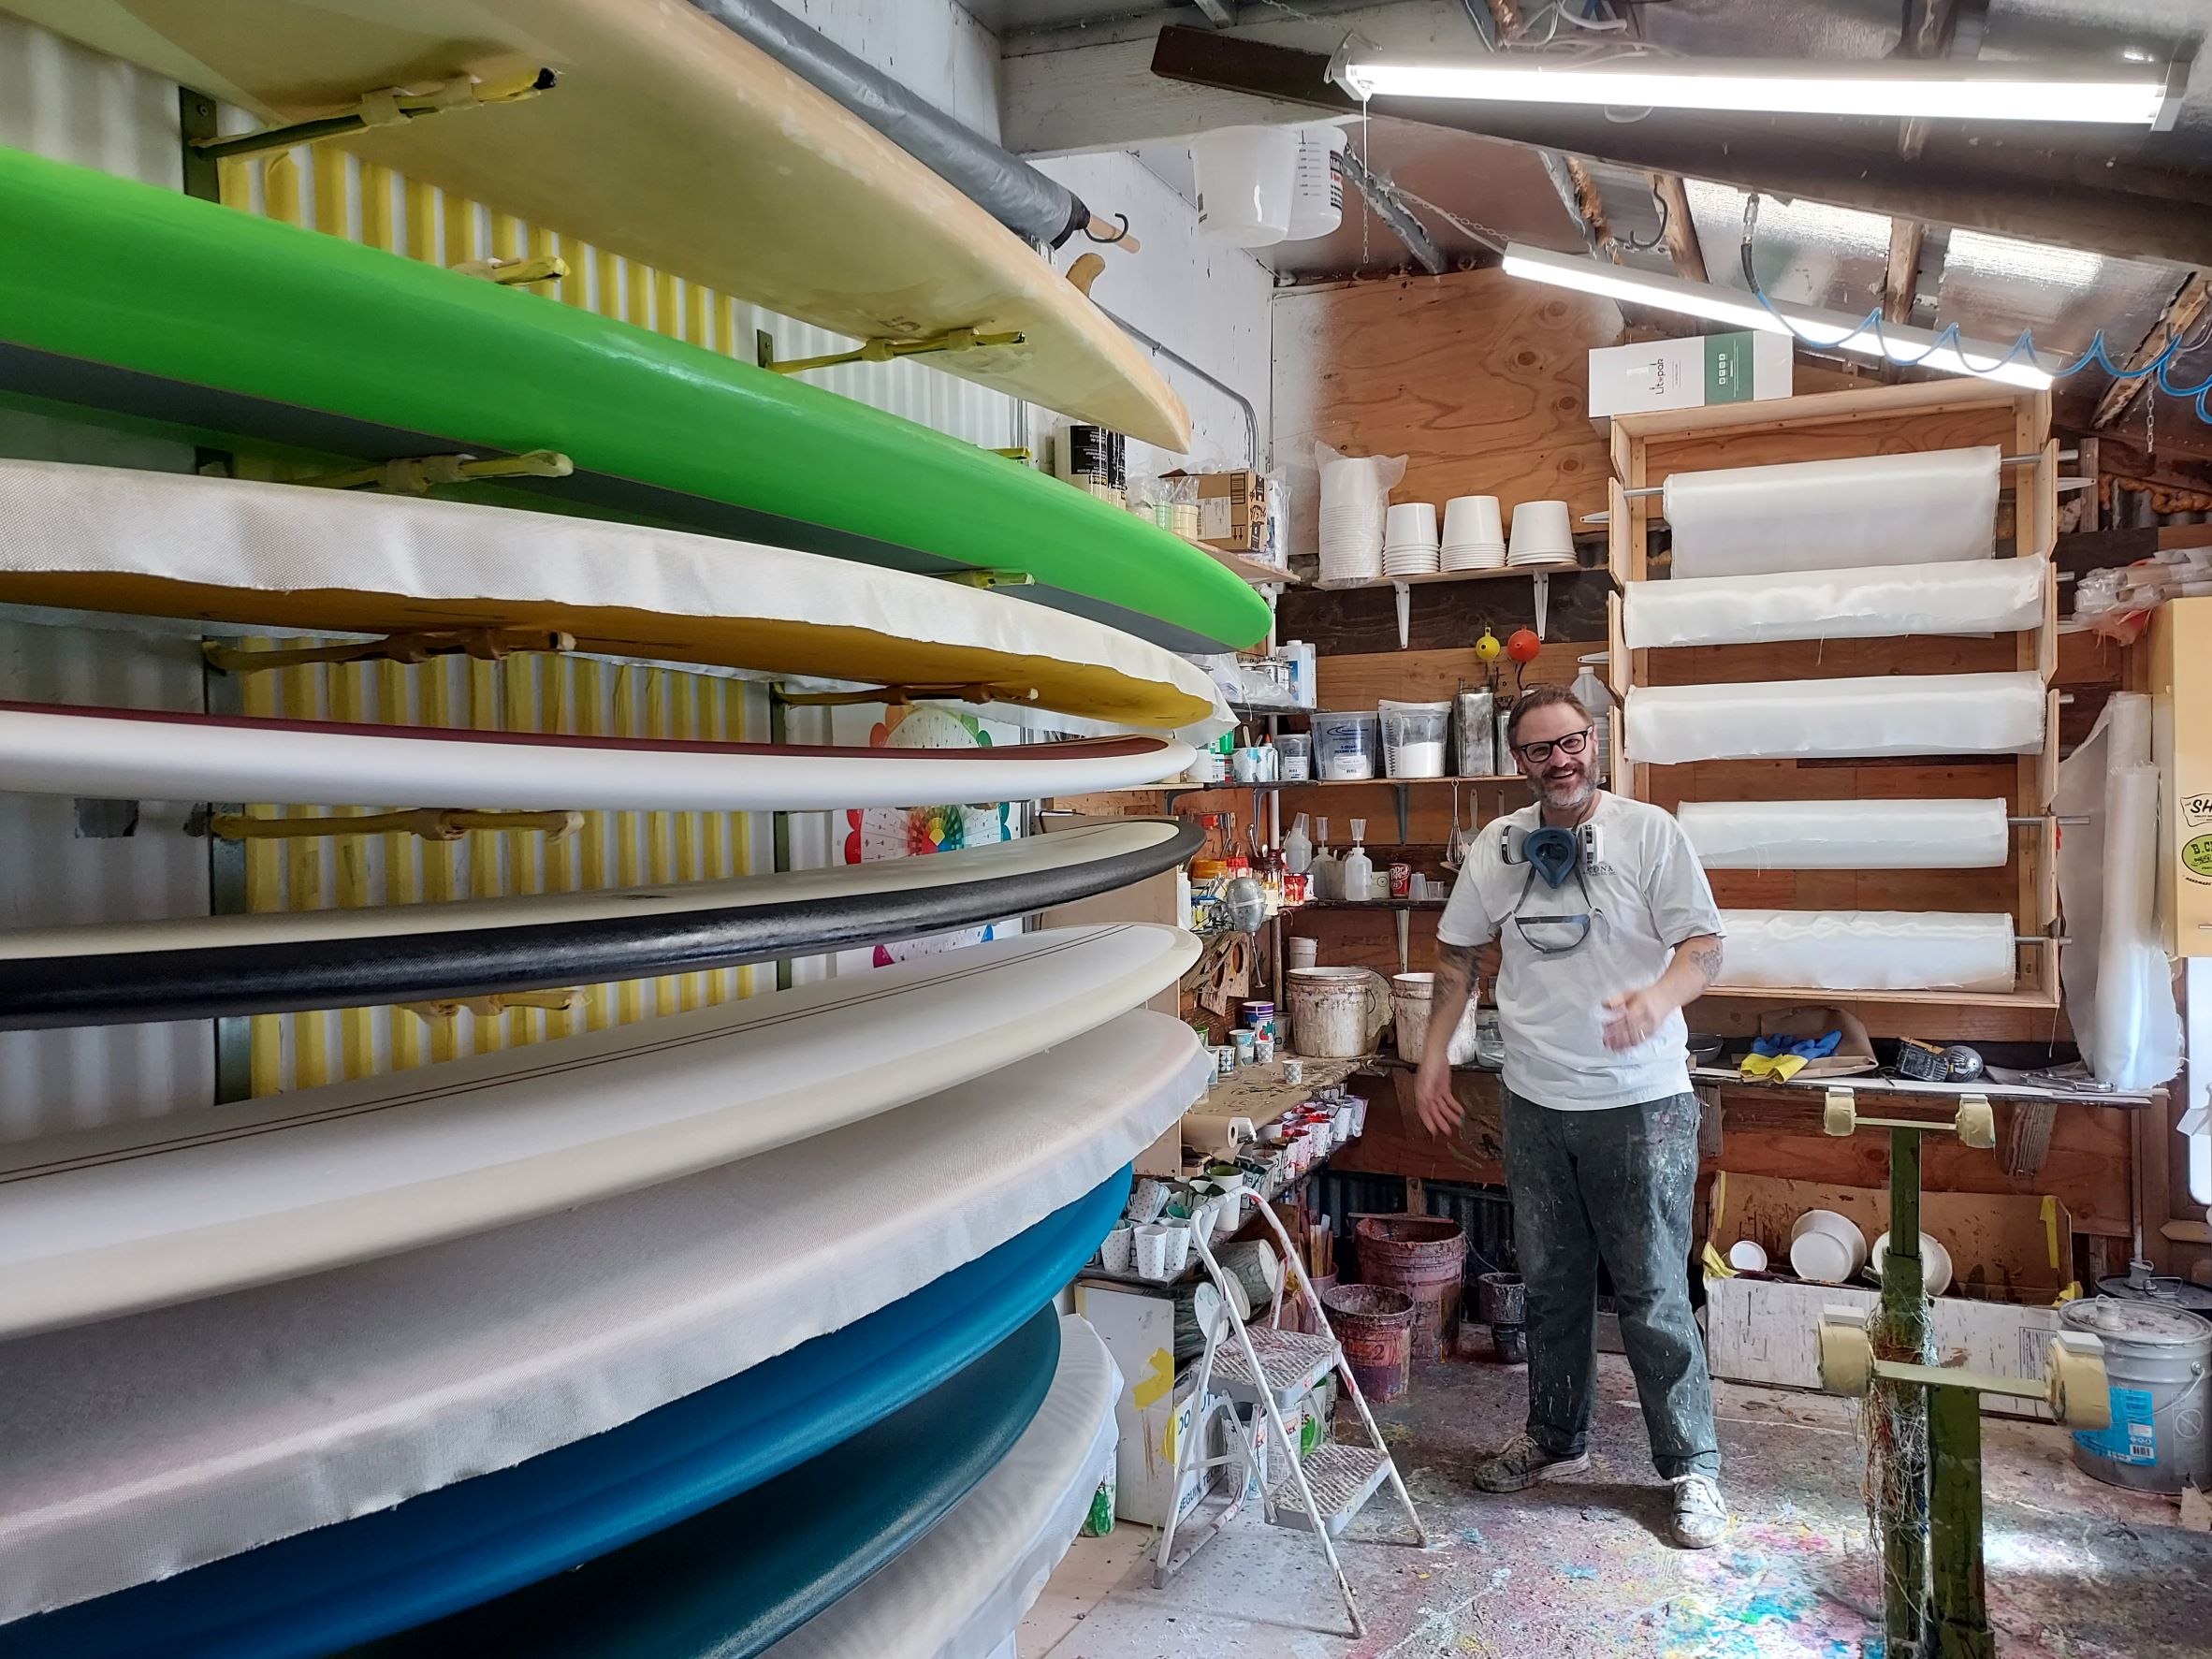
[{"x": 334, "y": 1587}]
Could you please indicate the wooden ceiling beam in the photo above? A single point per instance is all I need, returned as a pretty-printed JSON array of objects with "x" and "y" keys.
[
  {"x": 1682, "y": 246},
  {"x": 2181, "y": 315}
]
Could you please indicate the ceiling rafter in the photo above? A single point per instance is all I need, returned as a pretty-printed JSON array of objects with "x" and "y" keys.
[{"x": 2181, "y": 315}]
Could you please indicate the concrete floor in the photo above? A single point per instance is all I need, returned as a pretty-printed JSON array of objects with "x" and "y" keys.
[{"x": 1580, "y": 1567}]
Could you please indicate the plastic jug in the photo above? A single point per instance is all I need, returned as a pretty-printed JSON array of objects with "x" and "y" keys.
[
  {"x": 1358, "y": 869},
  {"x": 1595, "y": 698},
  {"x": 1325, "y": 877},
  {"x": 1298, "y": 848}
]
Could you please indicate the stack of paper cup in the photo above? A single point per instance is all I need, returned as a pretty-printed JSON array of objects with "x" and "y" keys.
[
  {"x": 1350, "y": 525},
  {"x": 1473, "y": 534},
  {"x": 1543, "y": 535},
  {"x": 1409, "y": 540}
]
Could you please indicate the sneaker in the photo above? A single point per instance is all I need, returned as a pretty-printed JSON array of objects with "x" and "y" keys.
[
  {"x": 1520, "y": 1462},
  {"x": 1700, "y": 1514}
]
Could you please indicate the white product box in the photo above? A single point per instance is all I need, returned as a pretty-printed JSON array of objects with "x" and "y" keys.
[
  {"x": 1157, "y": 1407},
  {"x": 1689, "y": 374}
]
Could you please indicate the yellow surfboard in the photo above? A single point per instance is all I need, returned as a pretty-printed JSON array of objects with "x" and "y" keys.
[{"x": 667, "y": 138}]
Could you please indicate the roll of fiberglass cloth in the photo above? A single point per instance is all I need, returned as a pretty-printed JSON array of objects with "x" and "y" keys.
[
  {"x": 1867, "y": 950},
  {"x": 1838, "y": 719},
  {"x": 1867, "y": 601},
  {"x": 1935, "y": 507},
  {"x": 1847, "y": 834}
]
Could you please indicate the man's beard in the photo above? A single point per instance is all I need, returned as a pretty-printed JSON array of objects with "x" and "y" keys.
[{"x": 1569, "y": 794}]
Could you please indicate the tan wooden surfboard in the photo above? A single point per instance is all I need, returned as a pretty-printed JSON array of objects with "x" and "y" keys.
[{"x": 669, "y": 140}]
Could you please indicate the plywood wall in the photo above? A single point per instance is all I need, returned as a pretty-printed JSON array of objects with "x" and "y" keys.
[{"x": 1479, "y": 378}]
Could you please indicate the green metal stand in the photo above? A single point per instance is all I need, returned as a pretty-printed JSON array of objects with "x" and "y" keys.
[{"x": 1928, "y": 1483}]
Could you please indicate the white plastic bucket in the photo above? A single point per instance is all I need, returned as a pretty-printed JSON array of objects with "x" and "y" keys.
[
  {"x": 1337, "y": 1012},
  {"x": 1827, "y": 1247},
  {"x": 1246, "y": 176},
  {"x": 1344, "y": 746},
  {"x": 1317, "y": 190},
  {"x": 1413, "y": 737},
  {"x": 1411, "y": 997}
]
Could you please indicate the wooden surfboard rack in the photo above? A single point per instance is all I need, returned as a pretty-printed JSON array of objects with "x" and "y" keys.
[
  {"x": 486, "y": 644},
  {"x": 878, "y": 351},
  {"x": 391, "y": 105},
  {"x": 497, "y": 1003},
  {"x": 419, "y": 475},
  {"x": 432, "y": 824}
]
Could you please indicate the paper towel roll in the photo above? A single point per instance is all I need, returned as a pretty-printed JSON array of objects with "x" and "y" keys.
[
  {"x": 1867, "y": 950},
  {"x": 1930, "y": 508},
  {"x": 1880, "y": 715},
  {"x": 1870, "y": 602},
  {"x": 1847, "y": 834}
]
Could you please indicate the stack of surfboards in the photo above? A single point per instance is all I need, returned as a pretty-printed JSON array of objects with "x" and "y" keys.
[
  {"x": 747, "y": 1299},
  {"x": 318, "y": 1369}
]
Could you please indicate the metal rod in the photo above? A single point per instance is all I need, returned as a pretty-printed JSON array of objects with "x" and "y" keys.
[
  {"x": 2009, "y": 460},
  {"x": 2066, "y": 821}
]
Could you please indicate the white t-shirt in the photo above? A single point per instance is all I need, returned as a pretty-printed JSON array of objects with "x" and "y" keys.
[{"x": 1650, "y": 895}]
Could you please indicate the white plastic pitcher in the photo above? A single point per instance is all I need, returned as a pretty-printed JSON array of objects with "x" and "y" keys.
[{"x": 1336, "y": 1013}]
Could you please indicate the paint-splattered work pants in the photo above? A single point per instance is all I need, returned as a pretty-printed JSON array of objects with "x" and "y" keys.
[{"x": 1616, "y": 1185}]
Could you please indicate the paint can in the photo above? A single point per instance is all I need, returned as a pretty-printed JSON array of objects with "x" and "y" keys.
[
  {"x": 1337, "y": 1012},
  {"x": 2158, "y": 1361},
  {"x": 1510, "y": 1344},
  {"x": 1425, "y": 1257},
  {"x": 1376, "y": 1325}
]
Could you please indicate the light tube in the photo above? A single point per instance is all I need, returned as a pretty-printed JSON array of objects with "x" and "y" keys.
[
  {"x": 1883, "y": 88},
  {"x": 1819, "y": 330}
]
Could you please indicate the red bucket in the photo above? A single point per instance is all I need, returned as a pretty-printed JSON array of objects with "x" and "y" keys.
[
  {"x": 1374, "y": 1325},
  {"x": 1425, "y": 1257}
]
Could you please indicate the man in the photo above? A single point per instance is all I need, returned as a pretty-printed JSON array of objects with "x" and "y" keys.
[{"x": 1604, "y": 932}]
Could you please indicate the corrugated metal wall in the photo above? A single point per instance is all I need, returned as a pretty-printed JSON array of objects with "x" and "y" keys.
[{"x": 62, "y": 101}]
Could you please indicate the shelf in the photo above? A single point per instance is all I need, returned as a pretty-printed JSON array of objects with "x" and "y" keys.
[
  {"x": 1434, "y": 577},
  {"x": 1872, "y": 1083},
  {"x": 1372, "y": 904},
  {"x": 1253, "y": 571},
  {"x": 1800, "y": 994},
  {"x": 1395, "y": 782}
]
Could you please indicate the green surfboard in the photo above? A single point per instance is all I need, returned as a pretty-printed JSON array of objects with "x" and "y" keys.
[{"x": 159, "y": 309}]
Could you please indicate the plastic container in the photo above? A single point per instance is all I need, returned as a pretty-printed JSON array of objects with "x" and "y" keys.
[
  {"x": 1543, "y": 534},
  {"x": 1411, "y": 996},
  {"x": 1294, "y": 753},
  {"x": 1247, "y": 178},
  {"x": 1413, "y": 737},
  {"x": 1298, "y": 848},
  {"x": 1344, "y": 746},
  {"x": 1591, "y": 688},
  {"x": 1376, "y": 1326},
  {"x": 1826, "y": 1248},
  {"x": 1337, "y": 1012},
  {"x": 1425, "y": 1257},
  {"x": 1316, "y": 188},
  {"x": 1358, "y": 869},
  {"x": 1474, "y": 535},
  {"x": 2158, "y": 1361},
  {"x": 1935, "y": 1263}
]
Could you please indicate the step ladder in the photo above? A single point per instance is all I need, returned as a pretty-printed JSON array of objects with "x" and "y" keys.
[{"x": 1271, "y": 1369}]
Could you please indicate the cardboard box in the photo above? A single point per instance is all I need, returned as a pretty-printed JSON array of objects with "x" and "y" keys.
[
  {"x": 1232, "y": 511},
  {"x": 1157, "y": 1406},
  {"x": 2181, "y": 683},
  {"x": 1689, "y": 374},
  {"x": 2012, "y": 1262}
]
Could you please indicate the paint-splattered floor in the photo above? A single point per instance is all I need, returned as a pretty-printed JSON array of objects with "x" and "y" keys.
[{"x": 1580, "y": 1567}]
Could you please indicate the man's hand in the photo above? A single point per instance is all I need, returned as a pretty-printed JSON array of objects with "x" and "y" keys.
[
  {"x": 1440, "y": 1110},
  {"x": 1636, "y": 1014}
]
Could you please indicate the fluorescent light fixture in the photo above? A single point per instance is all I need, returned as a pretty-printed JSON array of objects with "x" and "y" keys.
[
  {"x": 1820, "y": 331},
  {"x": 1932, "y": 91}
]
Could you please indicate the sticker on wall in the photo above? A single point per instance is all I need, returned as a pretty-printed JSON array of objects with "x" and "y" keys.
[{"x": 912, "y": 832}]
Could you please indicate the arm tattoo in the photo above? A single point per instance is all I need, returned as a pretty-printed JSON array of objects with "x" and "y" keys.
[
  {"x": 1455, "y": 970},
  {"x": 1706, "y": 959}
]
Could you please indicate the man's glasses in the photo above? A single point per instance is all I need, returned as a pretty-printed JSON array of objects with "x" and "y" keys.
[{"x": 1535, "y": 754}]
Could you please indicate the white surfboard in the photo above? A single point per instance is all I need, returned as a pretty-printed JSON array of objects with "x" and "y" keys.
[
  {"x": 959, "y": 1590},
  {"x": 233, "y": 1421},
  {"x": 144, "y": 755},
  {"x": 138, "y": 1214},
  {"x": 281, "y": 556}
]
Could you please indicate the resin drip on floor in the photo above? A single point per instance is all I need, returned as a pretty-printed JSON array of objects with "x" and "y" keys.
[{"x": 1580, "y": 1567}]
